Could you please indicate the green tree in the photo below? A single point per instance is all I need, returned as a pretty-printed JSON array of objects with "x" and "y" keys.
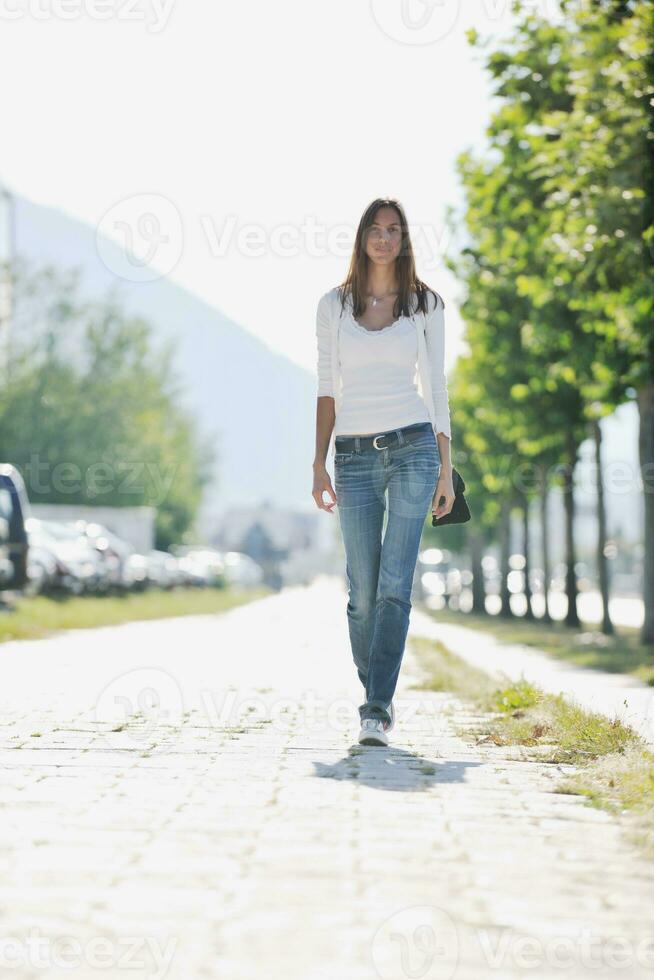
[
  {"x": 599, "y": 163},
  {"x": 535, "y": 210},
  {"x": 90, "y": 412}
]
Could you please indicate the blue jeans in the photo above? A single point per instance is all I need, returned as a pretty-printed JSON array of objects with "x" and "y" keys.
[{"x": 380, "y": 571}]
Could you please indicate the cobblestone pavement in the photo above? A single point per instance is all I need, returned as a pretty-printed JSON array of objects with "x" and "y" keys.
[{"x": 186, "y": 799}]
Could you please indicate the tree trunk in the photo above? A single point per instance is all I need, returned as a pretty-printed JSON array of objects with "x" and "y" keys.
[
  {"x": 529, "y": 614},
  {"x": 602, "y": 562},
  {"x": 571, "y": 616},
  {"x": 478, "y": 586},
  {"x": 545, "y": 542},
  {"x": 505, "y": 549},
  {"x": 646, "y": 454}
]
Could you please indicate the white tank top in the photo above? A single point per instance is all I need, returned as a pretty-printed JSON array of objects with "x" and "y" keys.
[{"x": 379, "y": 377}]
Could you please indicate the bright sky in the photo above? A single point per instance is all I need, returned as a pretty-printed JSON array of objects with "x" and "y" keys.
[{"x": 250, "y": 135}]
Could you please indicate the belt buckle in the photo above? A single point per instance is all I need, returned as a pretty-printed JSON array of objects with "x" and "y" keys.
[{"x": 374, "y": 441}]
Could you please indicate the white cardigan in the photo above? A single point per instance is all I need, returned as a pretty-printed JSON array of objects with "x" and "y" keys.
[{"x": 430, "y": 330}]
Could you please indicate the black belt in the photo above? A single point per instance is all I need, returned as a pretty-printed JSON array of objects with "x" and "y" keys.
[{"x": 383, "y": 440}]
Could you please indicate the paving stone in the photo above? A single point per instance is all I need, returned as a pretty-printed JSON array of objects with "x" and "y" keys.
[{"x": 270, "y": 843}]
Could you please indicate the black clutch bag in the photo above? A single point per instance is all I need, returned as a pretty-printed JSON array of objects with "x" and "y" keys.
[{"x": 460, "y": 512}]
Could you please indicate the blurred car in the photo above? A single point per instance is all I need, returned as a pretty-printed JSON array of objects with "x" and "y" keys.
[
  {"x": 241, "y": 570},
  {"x": 78, "y": 567},
  {"x": 43, "y": 571},
  {"x": 163, "y": 569},
  {"x": 41, "y": 568},
  {"x": 202, "y": 566},
  {"x": 113, "y": 552},
  {"x": 135, "y": 572},
  {"x": 435, "y": 575},
  {"x": 14, "y": 543}
]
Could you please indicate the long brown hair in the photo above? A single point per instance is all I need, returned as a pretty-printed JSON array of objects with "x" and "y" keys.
[{"x": 355, "y": 283}]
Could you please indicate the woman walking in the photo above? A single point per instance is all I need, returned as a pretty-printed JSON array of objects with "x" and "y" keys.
[{"x": 390, "y": 440}]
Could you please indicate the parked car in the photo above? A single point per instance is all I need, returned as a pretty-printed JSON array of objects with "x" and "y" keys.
[
  {"x": 163, "y": 569},
  {"x": 135, "y": 574},
  {"x": 202, "y": 566},
  {"x": 241, "y": 570},
  {"x": 14, "y": 544},
  {"x": 78, "y": 567},
  {"x": 41, "y": 567},
  {"x": 435, "y": 576},
  {"x": 113, "y": 552}
]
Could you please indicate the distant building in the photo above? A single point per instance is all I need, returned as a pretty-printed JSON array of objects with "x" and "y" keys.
[{"x": 296, "y": 544}]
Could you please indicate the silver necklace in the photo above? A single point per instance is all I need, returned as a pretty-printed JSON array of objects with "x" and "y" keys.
[{"x": 378, "y": 299}]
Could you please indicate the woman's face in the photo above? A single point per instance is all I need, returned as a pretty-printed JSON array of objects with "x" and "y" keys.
[{"x": 384, "y": 237}]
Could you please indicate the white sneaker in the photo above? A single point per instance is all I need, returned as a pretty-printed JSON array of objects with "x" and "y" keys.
[
  {"x": 372, "y": 732},
  {"x": 388, "y": 727}
]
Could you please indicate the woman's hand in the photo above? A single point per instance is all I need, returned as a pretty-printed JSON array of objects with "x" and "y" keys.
[
  {"x": 322, "y": 482},
  {"x": 444, "y": 488}
]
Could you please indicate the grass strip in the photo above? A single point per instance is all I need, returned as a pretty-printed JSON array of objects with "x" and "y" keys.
[
  {"x": 37, "y": 616},
  {"x": 613, "y": 766},
  {"x": 622, "y": 653}
]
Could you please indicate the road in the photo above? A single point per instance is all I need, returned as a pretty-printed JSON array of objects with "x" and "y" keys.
[{"x": 186, "y": 798}]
